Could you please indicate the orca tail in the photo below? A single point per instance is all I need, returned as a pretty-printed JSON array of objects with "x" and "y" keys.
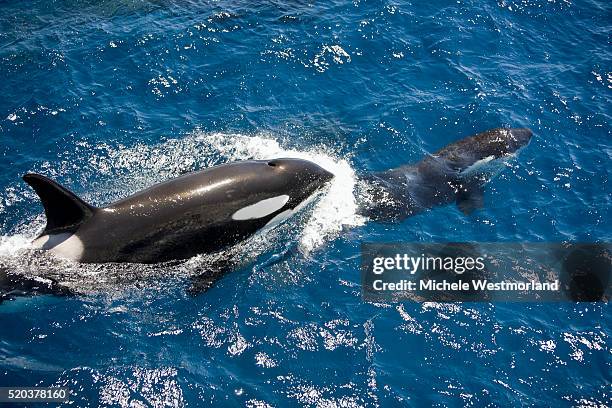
[{"x": 64, "y": 210}]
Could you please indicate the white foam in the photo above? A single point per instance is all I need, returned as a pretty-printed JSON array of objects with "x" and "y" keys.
[
  {"x": 13, "y": 245},
  {"x": 335, "y": 210},
  {"x": 136, "y": 167}
]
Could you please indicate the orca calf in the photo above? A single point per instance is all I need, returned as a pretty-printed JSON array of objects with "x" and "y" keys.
[
  {"x": 455, "y": 174},
  {"x": 200, "y": 212}
]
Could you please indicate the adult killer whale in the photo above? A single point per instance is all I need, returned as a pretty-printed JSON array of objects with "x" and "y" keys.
[
  {"x": 455, "y": 174},
  {"x": 200, "y": 212}
]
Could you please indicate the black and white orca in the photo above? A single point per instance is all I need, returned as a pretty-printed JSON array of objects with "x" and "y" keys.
[{"x": 200, "y": 212}]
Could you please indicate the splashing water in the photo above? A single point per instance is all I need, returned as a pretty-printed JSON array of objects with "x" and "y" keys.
[
  {"x": 140, "y": 166},
  {"x": 334, "y": 211},
  {"x": 103, "y": 97}
]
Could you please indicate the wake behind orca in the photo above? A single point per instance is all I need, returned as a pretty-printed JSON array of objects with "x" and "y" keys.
[{"x": 216, "y": 208}]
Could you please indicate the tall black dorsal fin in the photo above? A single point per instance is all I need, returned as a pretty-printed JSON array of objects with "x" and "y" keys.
[{"x": 64, "y": 210}]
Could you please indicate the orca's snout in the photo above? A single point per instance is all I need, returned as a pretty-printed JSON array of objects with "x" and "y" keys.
[
  {"x": 324, "y": 175},
  {"x": 318, "y": 174},
  {"x": 306, "y": 169}
]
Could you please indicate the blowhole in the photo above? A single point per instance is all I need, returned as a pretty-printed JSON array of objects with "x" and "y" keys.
[{"x": 271, "y": 164}]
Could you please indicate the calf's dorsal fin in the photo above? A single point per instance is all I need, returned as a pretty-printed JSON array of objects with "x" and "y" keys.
[{"x": 64, "y": 210}]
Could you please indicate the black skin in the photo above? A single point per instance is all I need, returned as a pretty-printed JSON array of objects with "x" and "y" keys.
[{"x": 192, "y": 214}]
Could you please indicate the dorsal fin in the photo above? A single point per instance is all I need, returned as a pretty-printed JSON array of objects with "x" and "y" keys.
[{"x": 64, "y": 210}]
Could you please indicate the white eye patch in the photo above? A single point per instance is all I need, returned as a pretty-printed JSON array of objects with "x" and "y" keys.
[{"x": 261, "y": 209}]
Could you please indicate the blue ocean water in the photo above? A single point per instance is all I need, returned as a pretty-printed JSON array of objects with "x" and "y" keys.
[{"x": 110, "y": 96}]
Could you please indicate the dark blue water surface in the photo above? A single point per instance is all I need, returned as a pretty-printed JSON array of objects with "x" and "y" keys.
[{"x": 110, "y": 96}]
